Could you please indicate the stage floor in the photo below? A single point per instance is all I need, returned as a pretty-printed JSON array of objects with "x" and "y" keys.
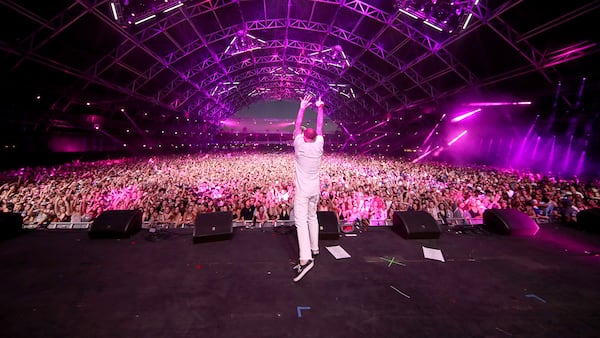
[{"x": 63, "y": 284}]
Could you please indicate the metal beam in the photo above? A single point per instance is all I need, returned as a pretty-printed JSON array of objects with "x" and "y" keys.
[
  {"x": 78, "y": 74},
  {"x": 144, "y": 48},
  {"x": 574, "y": 14},
  {"x": 48, "y": 31}
]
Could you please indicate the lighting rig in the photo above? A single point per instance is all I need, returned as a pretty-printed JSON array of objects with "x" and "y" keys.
[
  {"x": 136, "y": 12},
  {"x": 442, "y": 15}
]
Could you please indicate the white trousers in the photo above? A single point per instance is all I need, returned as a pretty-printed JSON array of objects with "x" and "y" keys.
[{"x": 307, "y": 226}]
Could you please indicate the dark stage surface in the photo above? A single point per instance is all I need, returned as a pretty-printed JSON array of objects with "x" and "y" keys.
[{"x": 62, "y": 284}]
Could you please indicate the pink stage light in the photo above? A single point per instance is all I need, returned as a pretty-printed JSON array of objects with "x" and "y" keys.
[
  {"x": 457, "y": 138},
  {"x": 495, "y": 104},
  {"x": 569, "y": 53},
  {"x": 465, "y": 115},
  {"x": 425, "y": 154},
  {"x": 228, "y": 123}
]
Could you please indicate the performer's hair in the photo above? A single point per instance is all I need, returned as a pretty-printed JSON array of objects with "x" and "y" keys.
[{"x": 310, "y": 133}]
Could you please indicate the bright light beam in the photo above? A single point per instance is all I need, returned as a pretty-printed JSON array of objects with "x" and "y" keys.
[
  {"x": 425, "y": 154},
  {"x": 430, "y": 134},
  {"x": 495, "y": 104},
  {"x": 373, "y": 127},
  {"x": 373, "y": 140},
  {"x": 457, "y": 138},
  {"x": 465, "y": 115}
]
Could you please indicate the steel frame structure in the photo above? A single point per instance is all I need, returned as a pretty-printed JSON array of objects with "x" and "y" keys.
[{"x": 377, "y": 92}]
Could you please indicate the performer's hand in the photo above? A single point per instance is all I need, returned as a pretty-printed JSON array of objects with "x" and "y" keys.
[
  {"x": 319, "y": 103},
  {"x": 305, "y": 102}
]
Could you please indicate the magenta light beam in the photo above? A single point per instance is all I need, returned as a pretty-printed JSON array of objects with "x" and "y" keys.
[
  {"x": 580, "y": 163},
  {"x": 578, "y": 102},
  {"x": 457, "y": 138},
  {"x": 535, "y": 148},
  {"x": 551, "y": 160},
  {"x": 425, "y": 155},
  {"x": 496, "y": 104},
  {"x": 567, "y": 159},
  {"x": 430, "y": 134},
  {"x": 528, "y": 134},
  {"x": 465, "y": 115},
  {"x": 373, "y": 127},
  {"x": 373, "y": 140},
  {"x": 347, "y": 132}
]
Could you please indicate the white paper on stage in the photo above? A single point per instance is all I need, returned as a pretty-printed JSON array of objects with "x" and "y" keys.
[
  {"x": 434, "y": 254},
  {"x": 338, "y": 252}
]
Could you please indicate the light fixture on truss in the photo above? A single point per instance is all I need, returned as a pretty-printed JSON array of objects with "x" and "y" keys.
[
  {"x": 244, "y": 42},
  {"x": 286, "y": 72},
  {"x": 136, "y": 12},
  {"x": 442, "y": 15},
  {"x": 333, "y": 56},
  {"x": 259, "y": 91},
  {"x": 224, "y": 87},
  {"x": 343, "y": 89}
]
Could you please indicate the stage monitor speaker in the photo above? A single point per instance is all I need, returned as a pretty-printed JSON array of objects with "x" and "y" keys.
[
  {"x": 415, "y": 224},
  {"x": 213, "y": 226},
  {"x": 509, "y": 222},
  {"x": 116, "y": 224},
  {"x": 11, "y": 224},
  {"x": 328, "y": 225},
  {"x": 589, "y": 219}
]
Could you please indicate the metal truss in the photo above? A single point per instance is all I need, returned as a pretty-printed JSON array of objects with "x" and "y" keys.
[
  {"x": 396, "y": 22},
  {"x": 270, "y": 77},
  {"x": 525, "y": 49},
  {"x": 299, "y": 24},
  {"x": 54, "y": 64},
  {"x": 359, "y": 6},
  {"x": 204, "y": 7},
  {"x": 482, "y": 14},
  {"x": 277, "y": 88},
  {"x": 130, "y": 42},
  {"x": 219, "y": 67},
  {"x": 211, "y": 79},
  {"x": 536, "y": 59},
  {"x": 584, "y": 9},
  {"x": 48, "y": 30}
]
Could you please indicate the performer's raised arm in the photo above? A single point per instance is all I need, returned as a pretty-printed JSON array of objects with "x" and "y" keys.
[
  {"x": 304, "y": 103},
  {"x": 320, "y": 104}
]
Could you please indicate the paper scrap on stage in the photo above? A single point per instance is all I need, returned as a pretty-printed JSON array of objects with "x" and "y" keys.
[
  {"x": 338, "y": 252},
  {"x": 434, "y": 254}
]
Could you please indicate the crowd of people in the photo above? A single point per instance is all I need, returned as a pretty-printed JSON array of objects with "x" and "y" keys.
[{"x": 259, "y": 187}]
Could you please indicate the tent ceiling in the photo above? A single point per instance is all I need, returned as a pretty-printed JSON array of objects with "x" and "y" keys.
[{"x": 185, "y": 62}]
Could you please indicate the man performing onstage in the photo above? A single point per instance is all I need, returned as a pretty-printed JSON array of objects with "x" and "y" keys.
[{"x": 308, "y": 149}]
